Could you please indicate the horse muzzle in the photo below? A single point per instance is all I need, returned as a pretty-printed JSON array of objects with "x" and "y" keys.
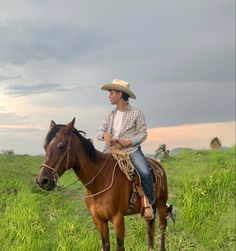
[{"x": 46, "y": 183}]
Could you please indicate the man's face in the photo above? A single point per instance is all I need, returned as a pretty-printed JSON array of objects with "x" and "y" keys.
[{"x": 114, "y": 97}]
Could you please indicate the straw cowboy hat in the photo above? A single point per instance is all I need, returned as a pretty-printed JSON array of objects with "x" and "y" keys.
[{"x": 119, "y": 85}]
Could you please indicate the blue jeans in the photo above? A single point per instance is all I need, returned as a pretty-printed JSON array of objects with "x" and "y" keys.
[{"x": 138, "y": 160}]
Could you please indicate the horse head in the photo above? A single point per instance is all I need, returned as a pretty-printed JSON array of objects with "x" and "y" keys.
[{"x": 58, "y": 157}]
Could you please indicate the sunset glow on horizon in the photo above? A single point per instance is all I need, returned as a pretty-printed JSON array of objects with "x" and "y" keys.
[{"x": 195, "y": 136}]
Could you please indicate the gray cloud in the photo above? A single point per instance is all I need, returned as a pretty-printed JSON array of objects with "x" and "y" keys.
[
  {"x": 151, "y": 42},
  {"x": 2, "y": 78},
  {"x": 179, "y": 58},
  {"x": 188, "y": 103},
  {"x": 39, "y": 40},
  {"x": 11, "y": 118},
  {"x": 26, "y": 130},
  {"x": 25, "y": 90}
]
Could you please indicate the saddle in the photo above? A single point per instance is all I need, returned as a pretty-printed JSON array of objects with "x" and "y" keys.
[{"x": 132, "y": 175}]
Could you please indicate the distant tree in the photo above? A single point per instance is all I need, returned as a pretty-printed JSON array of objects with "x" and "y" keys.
[
  {"x": 8, "y": 152},
  {"x": 161, "y": 152},
  {"x": 215, "y": 143}
]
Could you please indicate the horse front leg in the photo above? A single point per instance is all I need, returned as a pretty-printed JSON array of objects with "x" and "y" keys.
[
  {"x": 150, "y": 225},
  {"x": 162, "y": 218},
  {"x": 103, "y": 229},
  {"x": 119, "y": 226}
]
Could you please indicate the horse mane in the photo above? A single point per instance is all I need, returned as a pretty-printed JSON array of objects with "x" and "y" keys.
[{"x": 86, "y": 143}]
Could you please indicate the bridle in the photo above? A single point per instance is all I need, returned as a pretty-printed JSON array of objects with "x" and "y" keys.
[
  {"x": 67, "y": 156},
  {"x": 55, "y": 170}
]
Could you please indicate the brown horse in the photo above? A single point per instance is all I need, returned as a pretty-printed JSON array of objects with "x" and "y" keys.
[{"x": 108, "y": 189}]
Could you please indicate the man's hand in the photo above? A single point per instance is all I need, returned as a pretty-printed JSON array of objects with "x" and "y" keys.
[
  {"x": 125, "y": 142},
  {"x": 107, "y": 138}
]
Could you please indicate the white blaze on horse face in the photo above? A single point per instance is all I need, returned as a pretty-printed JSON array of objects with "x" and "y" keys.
[
  {"x": 48, "y": 151},
  {"x": 52, "y": 141},
  {"x": 46, "y": 159}
]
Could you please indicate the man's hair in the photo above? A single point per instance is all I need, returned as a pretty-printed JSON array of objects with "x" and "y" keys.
[{"x": 125, "y": 96}]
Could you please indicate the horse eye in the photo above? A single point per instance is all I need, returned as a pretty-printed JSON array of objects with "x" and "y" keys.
[{"x": 61, "y": 146}]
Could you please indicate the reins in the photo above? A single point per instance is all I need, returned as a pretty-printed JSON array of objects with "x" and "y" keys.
[
  {"x": 103, "y": 165},
  {"x": 106, "y": 189}
]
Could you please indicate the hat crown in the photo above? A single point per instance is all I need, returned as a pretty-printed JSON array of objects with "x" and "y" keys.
[{"x": 121, "y": 83}]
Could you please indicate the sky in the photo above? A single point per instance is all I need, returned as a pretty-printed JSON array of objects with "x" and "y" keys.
[{"x": 178, "y": 57}]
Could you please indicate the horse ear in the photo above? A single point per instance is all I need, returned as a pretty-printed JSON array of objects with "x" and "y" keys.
[
  {"x": 69, "y": 128},
  {"x": 52, "y": 124}
]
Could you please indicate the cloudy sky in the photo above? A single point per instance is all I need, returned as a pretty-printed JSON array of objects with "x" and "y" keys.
[{"x": 178, "y": 57}]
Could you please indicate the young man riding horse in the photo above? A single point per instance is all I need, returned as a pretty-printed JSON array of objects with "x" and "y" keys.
[
  {"x": 108, "y": 191},
  {"x": 126, "y": 125}
]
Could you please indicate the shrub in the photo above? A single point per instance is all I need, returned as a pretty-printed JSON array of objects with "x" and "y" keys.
[{"x": 8, "y": 152}]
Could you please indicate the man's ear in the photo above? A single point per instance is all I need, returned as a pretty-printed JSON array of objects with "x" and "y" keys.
[
  {"x": 52, "y": 124},
  {"x": 69, "y": 128}
]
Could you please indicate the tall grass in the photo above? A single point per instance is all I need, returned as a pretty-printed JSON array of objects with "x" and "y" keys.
[
  {"x": 205, "y": 197},
  {"x": 201, "y": 185}
]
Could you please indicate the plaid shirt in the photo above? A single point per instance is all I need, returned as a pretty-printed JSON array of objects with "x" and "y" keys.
[{"x": 133, "y": 127}]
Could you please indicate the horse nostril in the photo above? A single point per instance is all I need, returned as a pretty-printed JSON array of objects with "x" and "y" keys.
[{"x": 45, "y": 181}]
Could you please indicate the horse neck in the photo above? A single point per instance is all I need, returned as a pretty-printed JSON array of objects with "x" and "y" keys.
[{"x": 86, "y": 169}]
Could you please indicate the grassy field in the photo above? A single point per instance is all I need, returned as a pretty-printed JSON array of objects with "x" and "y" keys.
[{"x": 201, "y": 186}]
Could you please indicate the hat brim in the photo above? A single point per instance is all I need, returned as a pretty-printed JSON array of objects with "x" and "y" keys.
[{"x": 116, "y": 87}]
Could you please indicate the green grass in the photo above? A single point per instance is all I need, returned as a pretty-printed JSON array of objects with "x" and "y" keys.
[{"x": 201, "y": 186}]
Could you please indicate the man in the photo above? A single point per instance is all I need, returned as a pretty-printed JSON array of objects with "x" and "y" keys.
[{"x": 127, "y": 125}]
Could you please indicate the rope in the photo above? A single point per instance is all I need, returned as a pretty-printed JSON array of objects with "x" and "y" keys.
[
  {"x": 92, "y": 180},
  {"x": 103, "y": 165},
  {"x": 106, "y": 189},
  {"x": 124, "y": 162}
]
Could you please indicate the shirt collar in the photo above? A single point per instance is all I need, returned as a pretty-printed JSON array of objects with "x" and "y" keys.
[{"x": 128, "y": 108}]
